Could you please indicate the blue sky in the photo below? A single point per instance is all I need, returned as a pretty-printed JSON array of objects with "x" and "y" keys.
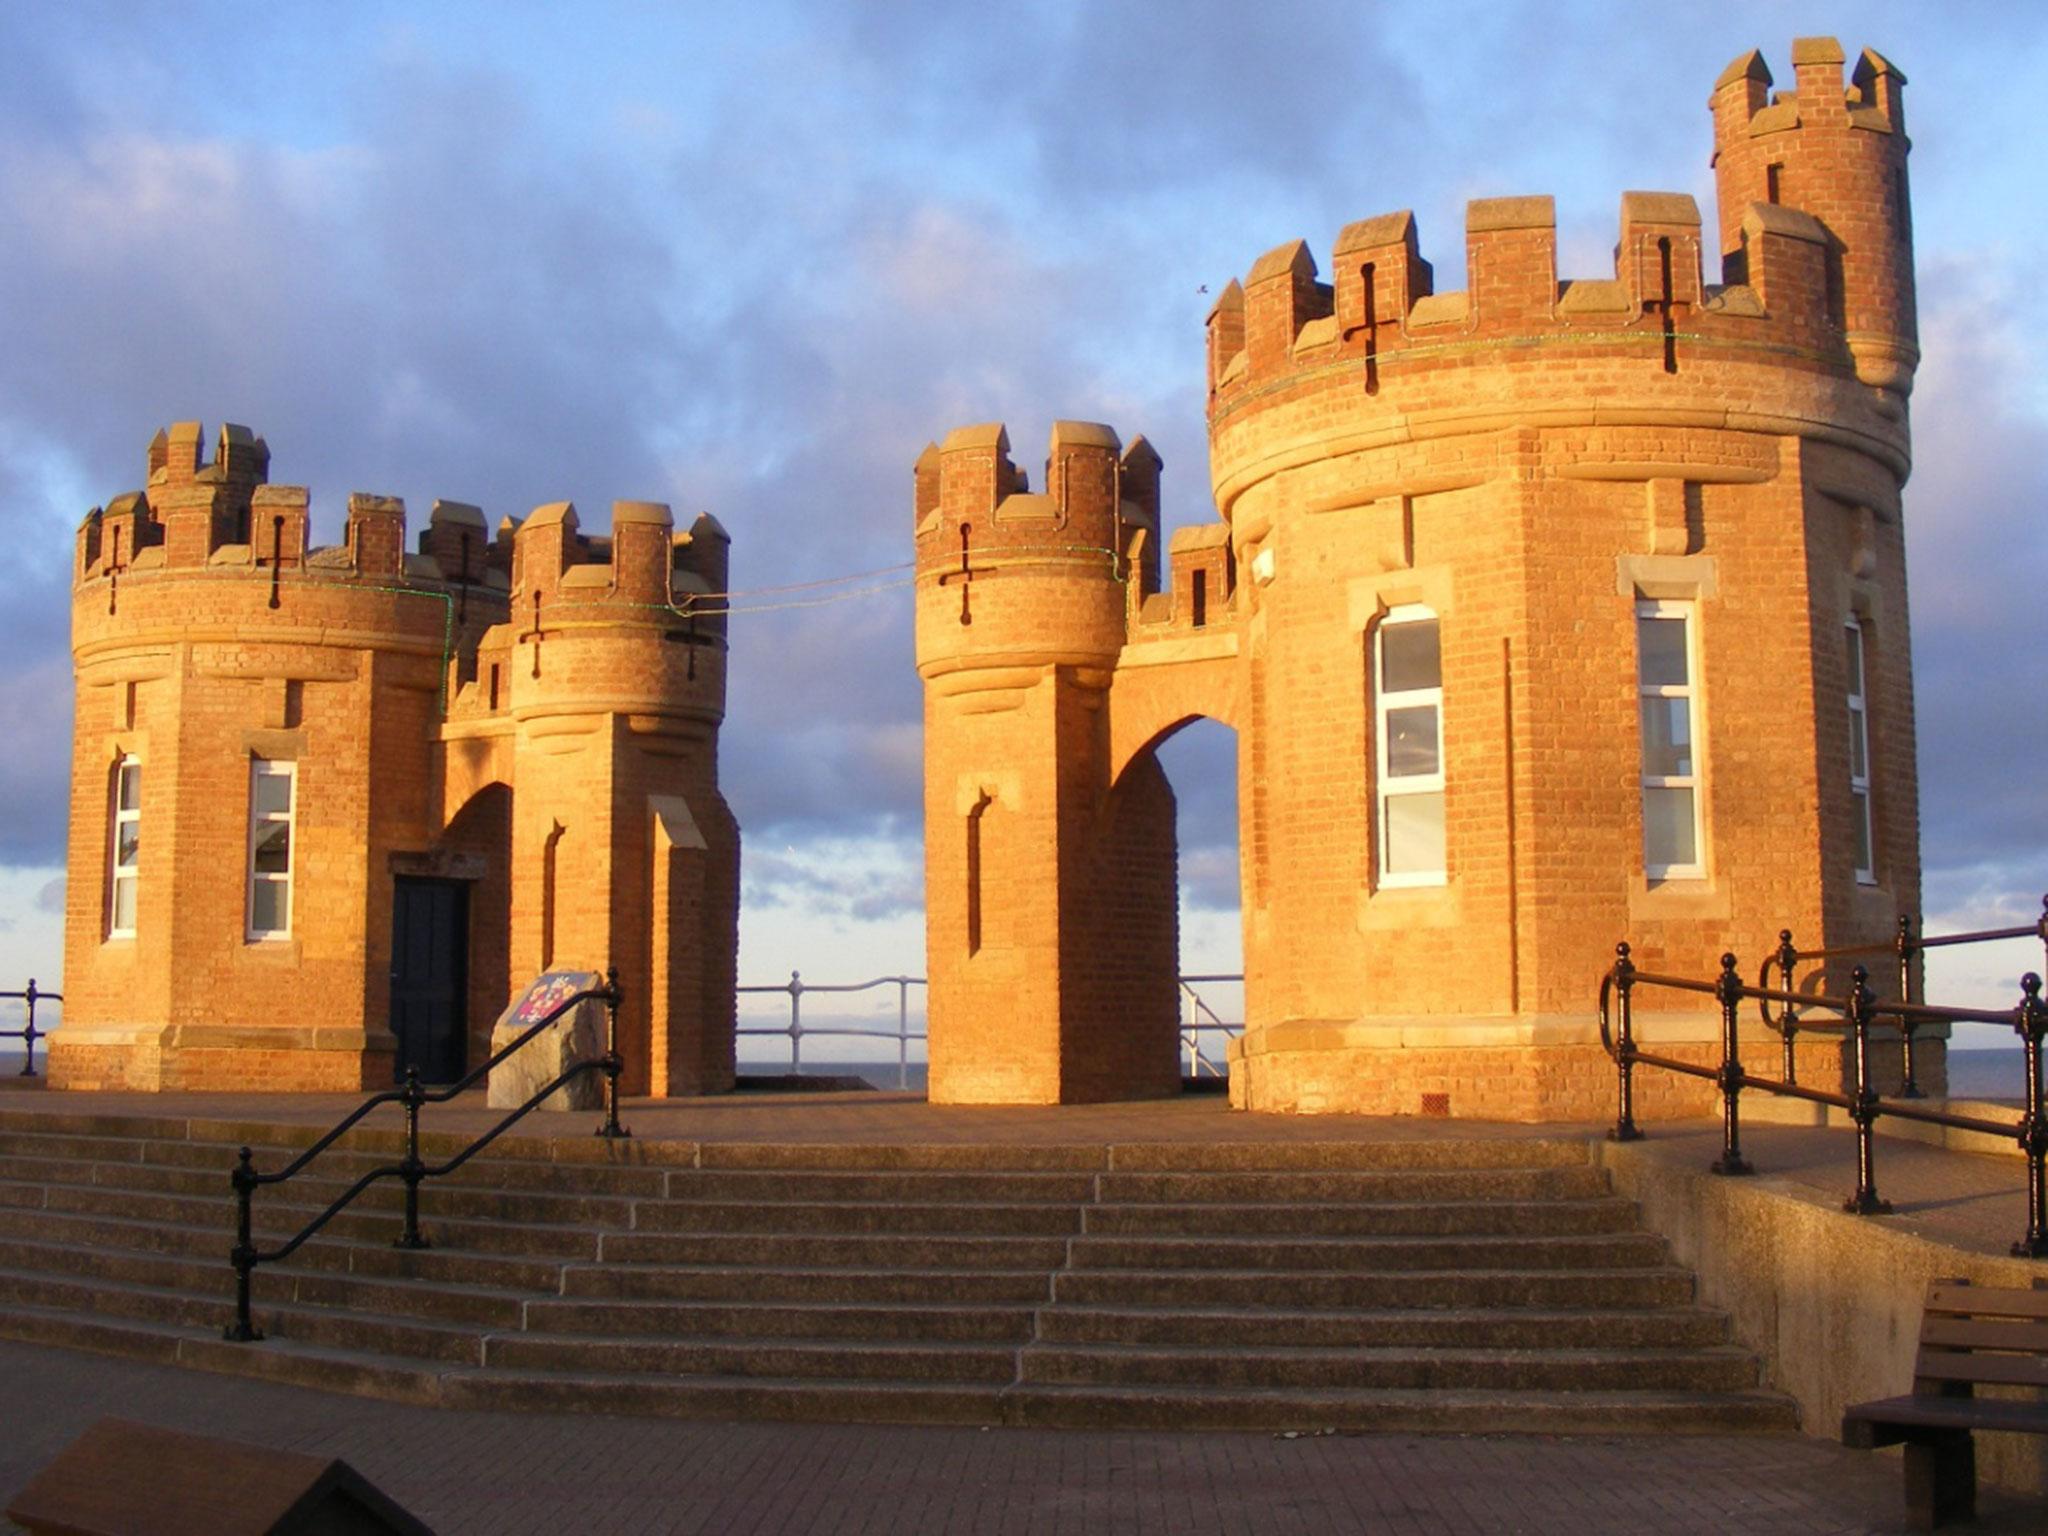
[{"x": 751, "y": 258}]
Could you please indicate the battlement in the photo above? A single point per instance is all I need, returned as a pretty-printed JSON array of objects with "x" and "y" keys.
[
  {"x": 1100, "y": 506},
  {"x": 1823, "y": 277},
  {"x": 643, "y": 563}
]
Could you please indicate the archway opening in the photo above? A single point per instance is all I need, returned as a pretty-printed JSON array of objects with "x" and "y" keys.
[{"x": 1199, "y": 759}]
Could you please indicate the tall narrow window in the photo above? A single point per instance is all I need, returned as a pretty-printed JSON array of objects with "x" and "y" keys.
[
  {"x": 271, "y": 788},
  {"x": 1408, "y": 744},
  {"x": 1859, "y": 756},
  {"x": 1666, "y": 673},
  {"x": 125, "y": 849}
]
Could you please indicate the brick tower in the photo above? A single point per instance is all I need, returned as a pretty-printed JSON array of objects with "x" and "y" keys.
[
  {"x": 330, "y": 805},
  {"x": 1548, "y": 613}
]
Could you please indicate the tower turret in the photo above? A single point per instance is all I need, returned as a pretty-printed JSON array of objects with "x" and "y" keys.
[{"x": 1839, "y": 156}]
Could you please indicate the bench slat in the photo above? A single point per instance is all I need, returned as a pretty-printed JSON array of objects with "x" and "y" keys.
[
  {"x": 1957, "y": 1333},
  {"x": 1952, "y": 1413},
  {"x": 1955, "y": 1365},
  {"x": 1985, "y": 1301}
]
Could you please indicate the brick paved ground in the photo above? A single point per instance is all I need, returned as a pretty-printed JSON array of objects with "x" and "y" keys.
[{"x": 493, "y": 1474}]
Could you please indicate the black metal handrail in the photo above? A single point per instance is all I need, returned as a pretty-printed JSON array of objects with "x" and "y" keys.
[
  {"x": 412, "y": 1168},
  {"x": 1859, "y": 1010},
  {"x": 28, "y": 1034},
  {"x": 1907, "y": 945}
]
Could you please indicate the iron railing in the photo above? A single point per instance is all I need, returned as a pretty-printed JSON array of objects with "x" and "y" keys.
[
  {"x": 1859, "y": 1011},
  {"x": 28, "y": 1034},
  {"x": 1197, "y": 1019},
  {"x": 412, "y": 1168},
  {"x": 1907, "y": 945}
]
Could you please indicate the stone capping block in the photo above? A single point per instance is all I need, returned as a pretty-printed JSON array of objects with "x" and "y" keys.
[
  {"x": 548, "y": 513},
  {"x": 1084, "y": 434},
  {"x": 1382, "y": 229},
  {"x": 1750, "y": 66},
  {"x": 656, "y": 513},
  {"x": 1198, "y": 536},
  {"x": 1659, "y": 208},
  {"x": 1816, "y": 50},
  {"x": 984, "y": 435},
  {"x": 1790, "y": 223},
  {"x": 457, "y": 513},
  {"x": 1231, "y": 298},
  {"x": 1488, "y": 213},
  {"x": 1281, "y": 260}
]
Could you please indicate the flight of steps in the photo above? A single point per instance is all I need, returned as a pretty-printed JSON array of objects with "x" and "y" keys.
[{"x": 1452, "y": 1284}]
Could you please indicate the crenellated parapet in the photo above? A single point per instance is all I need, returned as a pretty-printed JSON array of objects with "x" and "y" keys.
[
  {"x": 1008, "y": 576},
  {"x": 1816, "y": 279}
]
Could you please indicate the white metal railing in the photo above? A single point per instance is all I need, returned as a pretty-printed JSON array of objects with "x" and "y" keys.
[
  {"x": 796, "y": 1029},
  {"x": 1197, "y": 1019}
]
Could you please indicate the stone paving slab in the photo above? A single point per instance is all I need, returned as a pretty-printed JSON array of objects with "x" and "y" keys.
[{"x": 496, "y": 1474}]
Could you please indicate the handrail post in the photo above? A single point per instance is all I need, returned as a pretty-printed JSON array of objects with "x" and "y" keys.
[
  {"x": 796, "y": 1024},
  {"x": 1907, "y": 947},
  {"x": 1625, "y": 1127},
  {"x": 613, "y": 1064},
  {"x": 2031, "y": 1020},
  {"x": 1787, "y": 959},
  {"x": 243, "y": 1329},
  {"x": 1863, "y": 1109},
  {"x": 29, "y": 1030},
  {"x": 1728, "y": 989},
  {"x": 411, "y": 1167},
  {"x": 902, "y": 1032}
]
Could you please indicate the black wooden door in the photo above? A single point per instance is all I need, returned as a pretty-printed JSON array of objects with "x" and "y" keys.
[{"x": 430, "y": 976}]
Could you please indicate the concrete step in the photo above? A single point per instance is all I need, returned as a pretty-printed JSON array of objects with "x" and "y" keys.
[
  {"x": 812, "y": 1186},
  {"x": 1384, "y": 1219},
  {"x": 844, "y": 1286},
  {"x": 1540, "y": 1370},
  {"x": 1614, "y": 1250},
  {"x": 1403, "y": 1327},
  {"x": 1571, "y": 1181},
  {"x": 375, "y": 1257},
  {"x": 942, "y": 1322},
  {"x": 823, "y": 1359},
  {"x": 852, "y": 1217},
  {"x": 1430, "y": 1150},
  {"x": 756, "y": 1250},
  {"x": 1619, "y": 1289}
]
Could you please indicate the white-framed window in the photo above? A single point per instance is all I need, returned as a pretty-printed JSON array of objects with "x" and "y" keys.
[
  {"x": 1667, "y": 673},
  {"x": 272, "y": 791},
  {"x": 1408, "y": 748},
  {"x": 124, "y": 848},
  {"x": 1859, "y": 753}
]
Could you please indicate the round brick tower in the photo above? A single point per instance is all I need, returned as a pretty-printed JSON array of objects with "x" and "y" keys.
[{"x": 1549, "y": 613}]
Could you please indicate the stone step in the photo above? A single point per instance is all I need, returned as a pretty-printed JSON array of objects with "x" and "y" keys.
[
  {"x": 843, "y": 1286},
  {"x": 1386, "y": 1219},
  {"x": 1369, "y": 1254},
  {"x": 1620, "y": 1289},
  {"x": 439, "y": 1265},
  {"x": 910, "y": 1317},
  {"x": 755, "y": 1250},
  {"x": 809, "y": 1186},
  {"x": 1572, "y": 1181},
  {"x": 1542, "y": 1370},
  {"x": 857, "y": 1217},
  {"x": 827, "y": 1359},
  {"x": 1429, "y": 1151},
  {"x": 275, "y": 1219},
  {"x": 1432, "y": 1327}
]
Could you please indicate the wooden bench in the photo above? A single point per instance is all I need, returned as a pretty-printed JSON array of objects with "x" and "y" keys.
[{"x": 1970, "y": 1336}]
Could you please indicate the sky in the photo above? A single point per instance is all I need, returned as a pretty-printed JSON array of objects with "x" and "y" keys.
[{"x": 751, "y": 258}]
